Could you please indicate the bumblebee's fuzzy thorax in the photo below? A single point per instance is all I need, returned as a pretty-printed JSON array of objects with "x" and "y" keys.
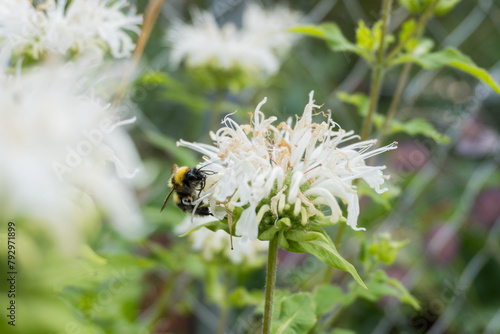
[{"x": 178, "y": 177}]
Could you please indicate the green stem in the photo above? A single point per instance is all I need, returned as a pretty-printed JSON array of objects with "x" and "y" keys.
[
  {"x": 224, "y": 310},
  {"x": 378, "y": 72},
  {"x": 395, "y": 101},
  {"x": 272, "y": 259},
  {"x": 150, "y": 16},
  {"x": 163, "y": 301},
  {"x": 222, "y": 320},
  {"x": 421, "y": 22}
]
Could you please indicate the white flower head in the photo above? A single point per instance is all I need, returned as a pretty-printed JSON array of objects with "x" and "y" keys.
[
  {"x": 68, "y": 28},
  {"x": 254, "y": 49},
  {"x": 60, "y": 144},
  {"x": 217, "y": 244},
  {"x": 266, "y": 172}
]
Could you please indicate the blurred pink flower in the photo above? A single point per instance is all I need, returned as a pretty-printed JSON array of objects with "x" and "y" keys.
[
  {"x": 442, "y": 244},
  {"x": 477, "y": 140},
  {"x": 410, "y": 156},
  {"x": 486, "y": 210}
]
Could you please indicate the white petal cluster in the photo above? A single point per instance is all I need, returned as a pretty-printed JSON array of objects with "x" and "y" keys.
[
  {"x": 216, "y": 244},
  {"x": 58, "y": 142},
  {"x": 301, "y": 166},
  {"x": 67, "y": 27},
  {"x": 256, "y": 47}
]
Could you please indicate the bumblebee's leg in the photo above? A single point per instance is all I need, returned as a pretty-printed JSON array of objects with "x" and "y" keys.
[
  {"x": 202, "y": 187},
  {"x": 187, "y": 200}
]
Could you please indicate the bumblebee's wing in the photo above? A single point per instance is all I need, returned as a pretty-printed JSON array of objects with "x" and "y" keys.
[
  {"x": 166, "y": 199},
  {"x": 173, "y": 171}
]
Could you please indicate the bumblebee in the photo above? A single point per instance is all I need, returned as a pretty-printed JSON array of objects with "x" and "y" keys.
[{"x": 187, "y": 184}]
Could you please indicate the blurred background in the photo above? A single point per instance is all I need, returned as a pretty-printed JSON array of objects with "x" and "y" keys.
[{"x": 444, "y": 198}]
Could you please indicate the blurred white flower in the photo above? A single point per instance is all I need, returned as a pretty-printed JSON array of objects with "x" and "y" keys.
[
  {"x": 216, "y": 244},
  {"x": 19, "y": 25},
  {"x": 255, "y": 48},
  {"x": 58, "y": 142},
  {"x": 268, "y": 26},
  {"x": 271, "y": 172},
  {"x": 68, "y": 28}
]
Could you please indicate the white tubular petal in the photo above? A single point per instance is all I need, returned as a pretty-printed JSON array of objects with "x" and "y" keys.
[
  {"x": 247, "y": 226},
  {"x": 299, "y": 146},
  {"x": 329, "y": 199},
  {"x": 297, "y": 206},
  {"x": 282, "y": 202},
  {"x": 121, "y": 123},
  {"x": 274, "y": 205},
  {"x": 353, "y": 212},
  {"x": 348, "y": 195},
  {"x": 261, "y": 103},
  {"x": 277, "y": 174},
  {"x": 295, "y": 184},
  {"x": 121, "y": 170},
  {"x": 263, "y": 209},
  {"x": 303, "y": 212},
  {"x": 311, "y": 96}
]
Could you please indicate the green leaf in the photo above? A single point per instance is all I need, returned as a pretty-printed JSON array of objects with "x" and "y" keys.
[
  {"x": 241, "y": 297},
  {"x": 406, "y": 29},
  {"x": 411, "y": 5},
  {"x": 419, "y": 126},
  {"x": 332, "y": 34},
  {"x": 89, "y": 254},
  {"x": 377, "y": 36},
  {"x": 364, "y": 36},
  {"x": 327, "y": 222},
  {"x": 380, "y": 285},
  {"x": 323, "y": 249},
  {"x": 444, "y": 6},
  {"x": 299, "y": 235},
  {"x": 268, "y": 234},
  {"x": 413, "y": 127},
  {"x": 419, "y": 6},
  {"x": 385, "y": 249},
  {"x": 282, "y": 241},
  {"x": 453, "y": 58},
  {"x": 295, "y": 315},
  {"x": 358, "y": 100},
  {"x": 325, "y": 297}
]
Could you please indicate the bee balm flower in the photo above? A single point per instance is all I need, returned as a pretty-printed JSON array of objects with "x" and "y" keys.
[
  {"x": 254, "y": 50},
  {"x": 67, "y": 27},
  {"x": 289, "y": 172},
  {"x": 66, "y": 153}
]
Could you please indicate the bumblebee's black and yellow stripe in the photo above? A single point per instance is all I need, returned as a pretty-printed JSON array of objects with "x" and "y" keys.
[{"x": 187, "y": 184}]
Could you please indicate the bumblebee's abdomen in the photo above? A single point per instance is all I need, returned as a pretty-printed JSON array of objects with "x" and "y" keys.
[{"x": 188, "y": 208}]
